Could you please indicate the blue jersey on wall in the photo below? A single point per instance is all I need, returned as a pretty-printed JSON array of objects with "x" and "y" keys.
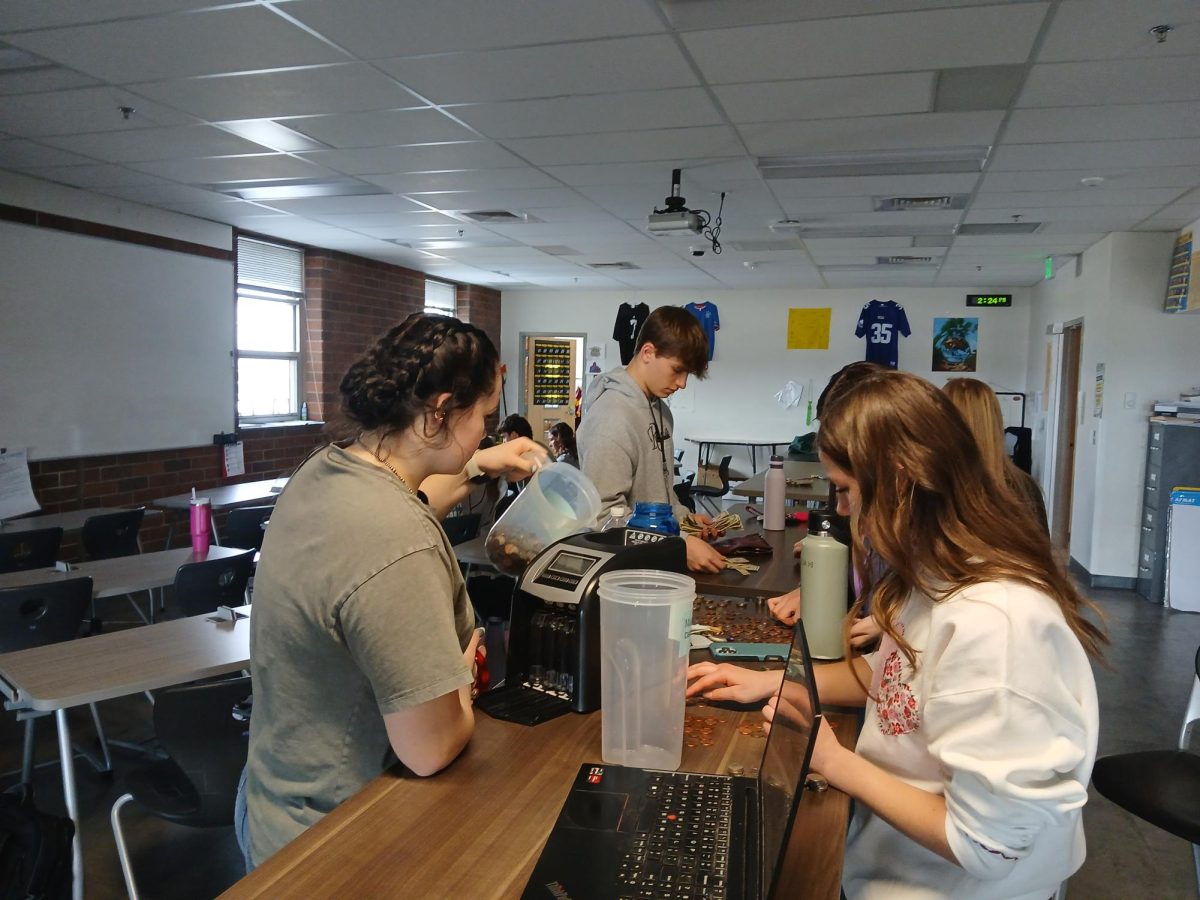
[
  {"x": 881, "y": 323},
  {"x": 709, "y": 320}
]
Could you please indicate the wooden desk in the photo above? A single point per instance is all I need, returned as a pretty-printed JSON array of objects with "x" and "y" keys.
[
  {"x": 72, "y": 520},
  {"x": 72, "y": 673},
  {"x": 249, "y": 493},
  {"x": 122, "y": 575},
  {"x": 477, "y": 829},
  {"x": 792, "y": 469}
]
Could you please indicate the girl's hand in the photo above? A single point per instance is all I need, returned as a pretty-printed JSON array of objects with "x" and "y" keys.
[
  {"x": 515, "y": 459},
  {"x": 786, "y": 607},
  {"x": 725, "y": 682},
  {"x": 864, "y": 632}
]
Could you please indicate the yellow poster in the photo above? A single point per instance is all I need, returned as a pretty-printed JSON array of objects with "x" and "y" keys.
[{"x": 808, "y": 329}]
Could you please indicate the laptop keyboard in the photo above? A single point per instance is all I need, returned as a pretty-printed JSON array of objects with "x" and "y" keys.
[{"x": 681, "y": 847}]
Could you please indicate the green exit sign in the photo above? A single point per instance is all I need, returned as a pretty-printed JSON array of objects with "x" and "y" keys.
[{"x": 989, "y": 299}]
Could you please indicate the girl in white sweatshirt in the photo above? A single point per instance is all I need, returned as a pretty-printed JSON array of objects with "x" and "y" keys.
[{"x": 972, "y": 766}]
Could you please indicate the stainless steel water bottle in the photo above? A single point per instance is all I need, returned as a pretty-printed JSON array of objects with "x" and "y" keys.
[
  {"x": 774, "y": 491},
  {"x": 824, "y": 567}
]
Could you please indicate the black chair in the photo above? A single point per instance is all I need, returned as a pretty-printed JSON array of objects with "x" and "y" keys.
[
  {"x": 683, "y": 492},
  {"x": 201, "y": 587},
  {"x": 38, "y": 615},
  {"x": 114, "y": 534},
  {"x": 1160, "y": 786},
  {"x": 461, "y": 529},
  {"x": 246, "y": 526},
  {"x": 23, "y": 550},
  {"x": 708, "y": 494},
  {"x": 205, "y": 740}
]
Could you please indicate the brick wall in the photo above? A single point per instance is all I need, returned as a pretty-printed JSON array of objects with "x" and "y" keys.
[
  {"x": 349, "y": 302},
  {"x": 136, "y": 479}
]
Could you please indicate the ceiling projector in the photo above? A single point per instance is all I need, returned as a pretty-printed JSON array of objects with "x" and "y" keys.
[{"x": 681, "y": 221}]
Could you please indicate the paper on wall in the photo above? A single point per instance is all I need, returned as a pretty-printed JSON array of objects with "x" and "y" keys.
[
  {"x": 16, "y": 490},
  {"x": 789, "y": 397}
]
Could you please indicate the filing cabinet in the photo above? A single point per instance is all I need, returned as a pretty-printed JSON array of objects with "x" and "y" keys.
[{"x": 1172, "y": 460}]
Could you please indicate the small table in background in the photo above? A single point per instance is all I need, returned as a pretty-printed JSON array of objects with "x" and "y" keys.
[
  {"x": 755, "y": 485},
  {"x": 249, "y": 493}
]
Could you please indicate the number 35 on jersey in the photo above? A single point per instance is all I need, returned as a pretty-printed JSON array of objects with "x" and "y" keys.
[{"x": 882, "y": 323}]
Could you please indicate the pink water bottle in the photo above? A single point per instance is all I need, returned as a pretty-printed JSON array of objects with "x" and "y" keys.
[{"x": 201, "y": 523}]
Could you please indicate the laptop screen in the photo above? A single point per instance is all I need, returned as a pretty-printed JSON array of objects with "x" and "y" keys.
[{"x": 785, "y": 759}]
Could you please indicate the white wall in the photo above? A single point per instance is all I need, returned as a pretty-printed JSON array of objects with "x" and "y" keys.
[
  {"x": 1148, "y": 355},
  {"x": 752, "y": 361}
]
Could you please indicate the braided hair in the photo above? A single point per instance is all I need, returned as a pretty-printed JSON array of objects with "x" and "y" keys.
[{"x": 392, "y": 386}]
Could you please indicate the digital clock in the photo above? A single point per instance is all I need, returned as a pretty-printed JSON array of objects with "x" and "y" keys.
[{"x": 989, "y": 299}]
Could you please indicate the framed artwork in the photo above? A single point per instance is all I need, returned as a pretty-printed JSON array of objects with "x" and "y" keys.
[{"x": 955, "y": 344}]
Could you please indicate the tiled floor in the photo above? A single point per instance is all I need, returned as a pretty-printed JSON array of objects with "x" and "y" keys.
[{"x": 1142, "y": 698}]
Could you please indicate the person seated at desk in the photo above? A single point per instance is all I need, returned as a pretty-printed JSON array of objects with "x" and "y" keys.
[
  {"x": 786, "y": 607},
  {"x": 562, "y": 444},
  {"x": 362, "y": 643},
  {"x": 973, "y": 761},
  {"x": 980, "y": 409},
  {"x": 625, "y": 445}
]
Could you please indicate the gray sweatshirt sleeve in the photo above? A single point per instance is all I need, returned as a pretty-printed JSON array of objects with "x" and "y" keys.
[{"x": 609, "y": 465}]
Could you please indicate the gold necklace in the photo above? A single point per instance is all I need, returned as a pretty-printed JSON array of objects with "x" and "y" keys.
[{"x": 389, "y": 467}]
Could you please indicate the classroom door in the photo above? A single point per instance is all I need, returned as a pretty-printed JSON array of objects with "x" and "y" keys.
[{"x": 1065, "y": 422}]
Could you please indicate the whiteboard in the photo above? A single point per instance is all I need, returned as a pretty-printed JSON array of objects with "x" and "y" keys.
[{"x": 110, "y": 347}]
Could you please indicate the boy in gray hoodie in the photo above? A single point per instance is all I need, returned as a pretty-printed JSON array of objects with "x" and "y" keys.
[{"x": 624, "y": 439}]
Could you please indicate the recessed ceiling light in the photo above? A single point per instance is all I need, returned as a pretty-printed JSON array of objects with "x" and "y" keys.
[
  {"x": 269, "y": 133},
  {"x": 1092, "y": 181},
  {"x": 295, "y": 189}
]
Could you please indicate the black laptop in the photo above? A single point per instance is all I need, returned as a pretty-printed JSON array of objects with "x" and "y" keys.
[{"x": 643, "y": 833}]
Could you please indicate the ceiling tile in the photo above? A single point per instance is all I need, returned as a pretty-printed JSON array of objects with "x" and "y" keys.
[
  {"x": 907, "y": 41},
  {"x": 382, "y": 128},
  {"x": 146, "y": 144},
  {"x": 828, "y": 98},
  {"x": 1082, "y": 196},
  {"x": 595, "y": 67},
  {"x": 94, "y": 176},
  {"x": 17, "y": 16},
  {"x": 41, "y": 79},
  {"x": 83, "y": 110},
  {"x": 591, "y": 114},
  {"x": 227, "y": 39},
  {"x": 21, "y": 154},
  {"x": 219, "y": 169},
  {"x": 666, "y": 144},
  {"x": 513, "y": 201},
  {"x": 1119, "y": 154},
  {"x": 726, "y": 13},
  {"x": 293, "y": 92},
  {"x": 423, "y": 158},
  {"x": 367, "y": 204},
  {"x": 872, "y": 133},
  {"x": 790, "y": 190},
  {"x": 1111, "y": 123},
  {"x": 460, "y": 180},
  {"x": 372, "y": 29},
  {"x": 1118, "y": 29},
  {"x": 1115, "y": 177},
  {"x": 1103, "y": 218},
  {"x": 1114, "y": 81}
]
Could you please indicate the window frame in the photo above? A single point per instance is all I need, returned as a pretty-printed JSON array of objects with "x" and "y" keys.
[{"x": 279, "y": 295}]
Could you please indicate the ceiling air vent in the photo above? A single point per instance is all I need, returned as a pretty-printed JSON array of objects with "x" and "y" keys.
[
  {"x": 495, "y": 216},
  {"x": 903, "y": 260},
  {"x": 983, "y": 228},
  {"x": 903, "y": 204},
  {"x": 613, "y": 265}
]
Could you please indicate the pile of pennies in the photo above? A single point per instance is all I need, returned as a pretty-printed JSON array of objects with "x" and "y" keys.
[{"x": 735, "y": 619}]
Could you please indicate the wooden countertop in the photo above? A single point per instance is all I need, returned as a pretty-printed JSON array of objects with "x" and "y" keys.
[{"x": 476, "y": 829}]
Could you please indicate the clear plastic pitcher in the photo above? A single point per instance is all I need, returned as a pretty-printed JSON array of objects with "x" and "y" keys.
[
  {"x": 645, "y": 616},
  {"x": 557, "y": 501}
]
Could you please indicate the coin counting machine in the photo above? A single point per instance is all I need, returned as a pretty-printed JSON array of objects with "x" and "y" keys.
[{"x": 553, "y": 662}]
